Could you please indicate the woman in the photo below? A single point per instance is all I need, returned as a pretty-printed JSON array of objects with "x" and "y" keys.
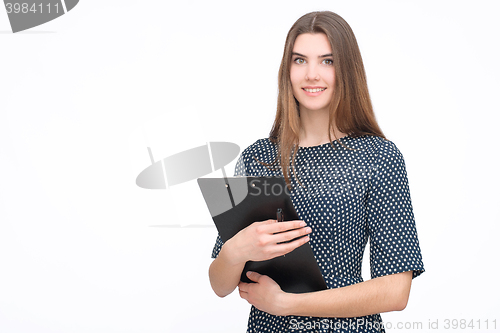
[{"x": 344, "y": 190}]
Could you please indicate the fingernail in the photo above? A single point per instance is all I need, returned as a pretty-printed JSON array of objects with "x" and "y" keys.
[
  {"x": 302, "y": 224},
  {"x": 308, "y": 230}
]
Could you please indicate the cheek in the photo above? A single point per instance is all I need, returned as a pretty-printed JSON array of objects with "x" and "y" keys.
[
  {"x": 329, "y": 77},
  {"x": 295, "y": 78}
]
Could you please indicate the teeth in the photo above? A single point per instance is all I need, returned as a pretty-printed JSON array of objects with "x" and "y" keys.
[{"x": 314, "y": 90}]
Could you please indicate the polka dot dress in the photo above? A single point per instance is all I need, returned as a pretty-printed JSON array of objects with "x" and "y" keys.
[{"x": 351, "y": 195}]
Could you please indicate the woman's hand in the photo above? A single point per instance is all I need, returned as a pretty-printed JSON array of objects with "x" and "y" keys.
[
  {"x": 259, "y": 241},
  {"x": 265, "y": 294},
  {"x": 264, "y": 240}
]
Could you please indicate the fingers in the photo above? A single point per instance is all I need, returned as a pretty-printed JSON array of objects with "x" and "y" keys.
[
  {"x": 243, "y": 286},
  {"x": 279, "y": 249},
  {"x": 243, "y": 289},
  {"x": 292, "y": 234},
  {"x": 262, "y": 240},
  {"x": 274, "y": 228},
  {"x": 243, "y": 294},
  {"x": 285, "y": 248},
  {"x": 284, "y": 237}
]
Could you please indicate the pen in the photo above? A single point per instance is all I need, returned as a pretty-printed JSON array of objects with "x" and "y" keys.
[{"x": 279, "y": 215}]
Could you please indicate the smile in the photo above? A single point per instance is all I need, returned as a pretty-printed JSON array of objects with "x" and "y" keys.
[{"x": 314, "y": 90}]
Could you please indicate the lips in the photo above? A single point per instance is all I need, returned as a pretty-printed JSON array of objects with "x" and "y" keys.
[{"x": 313, "y": 90}]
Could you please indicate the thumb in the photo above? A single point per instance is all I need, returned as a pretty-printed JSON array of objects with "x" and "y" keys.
[{"x": 254, "y": 276}]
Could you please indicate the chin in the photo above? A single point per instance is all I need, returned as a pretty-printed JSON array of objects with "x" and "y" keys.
[{"x": 315, "y": 108}]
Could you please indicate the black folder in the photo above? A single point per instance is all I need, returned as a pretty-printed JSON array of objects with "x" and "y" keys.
[{"x": 236, "y": 202}]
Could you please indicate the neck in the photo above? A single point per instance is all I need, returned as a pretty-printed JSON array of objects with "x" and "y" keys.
[{"x": 314, "y": 128}]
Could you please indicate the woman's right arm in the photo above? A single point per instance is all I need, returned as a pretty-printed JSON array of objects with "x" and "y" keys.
[
  {"x": 225, "y": 271},
  {"x": 259, "y": 241}
]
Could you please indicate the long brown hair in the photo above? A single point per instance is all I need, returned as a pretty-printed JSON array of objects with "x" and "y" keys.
[{"x": 350, "y": 108}]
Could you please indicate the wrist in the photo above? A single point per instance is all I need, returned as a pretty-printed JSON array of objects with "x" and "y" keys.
[
  {"x": 289, "y": 303},
  {"x": 231, "y": 256}
]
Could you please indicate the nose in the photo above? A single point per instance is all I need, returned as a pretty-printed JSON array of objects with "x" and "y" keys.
[{"x": 312, "y": 72}]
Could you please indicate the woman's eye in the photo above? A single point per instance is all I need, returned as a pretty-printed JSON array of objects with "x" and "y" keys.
[
  {"x": 299, "y": 61},
  {"x": 328, "y": 61}
]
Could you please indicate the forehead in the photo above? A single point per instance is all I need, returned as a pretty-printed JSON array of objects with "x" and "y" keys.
[{"x": 312, "y": 44}]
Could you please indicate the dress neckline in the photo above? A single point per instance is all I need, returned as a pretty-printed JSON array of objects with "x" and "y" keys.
[{"x": 343, "y": 139}]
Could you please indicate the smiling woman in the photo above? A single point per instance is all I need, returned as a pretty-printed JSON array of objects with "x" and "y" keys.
[
  {"x": 312, "y": 73},
  {"x": 364, "y": 194}
]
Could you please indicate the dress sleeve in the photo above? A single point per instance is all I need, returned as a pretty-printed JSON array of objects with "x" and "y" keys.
[
  {"x": 239, "y": 170},
  {"x": 394, "y": 246}
]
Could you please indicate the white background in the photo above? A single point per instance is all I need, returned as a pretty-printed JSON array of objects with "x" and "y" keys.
[{"x": 83, "y": 249}]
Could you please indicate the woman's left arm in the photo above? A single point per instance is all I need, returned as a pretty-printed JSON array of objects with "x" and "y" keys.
[{"x": 381, "y": 294}]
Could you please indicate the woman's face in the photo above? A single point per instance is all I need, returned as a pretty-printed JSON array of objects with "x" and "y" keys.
[{"x": 312, "y": 73}]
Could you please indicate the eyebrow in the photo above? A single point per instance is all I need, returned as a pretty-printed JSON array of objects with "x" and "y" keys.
[{"x": 321, "y": 56}]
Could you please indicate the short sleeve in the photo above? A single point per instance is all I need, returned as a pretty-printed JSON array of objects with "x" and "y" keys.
[
  {"x": 394, "y": 245},
  {"x": 239, "y": 170},
  {"x": 217, "y": 247}
]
